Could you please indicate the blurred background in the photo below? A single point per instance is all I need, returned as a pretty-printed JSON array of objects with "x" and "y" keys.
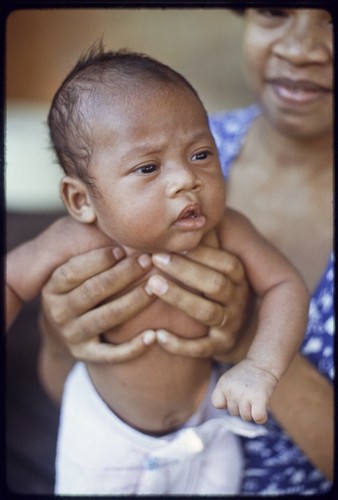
[{"x": 41, "y": 47}]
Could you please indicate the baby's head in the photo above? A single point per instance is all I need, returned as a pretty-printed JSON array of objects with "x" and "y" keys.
[
  {"x": 97, "y": 77},
  {"x": 133, "y": 138}
]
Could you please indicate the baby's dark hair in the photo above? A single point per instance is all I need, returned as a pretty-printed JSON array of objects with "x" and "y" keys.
[{"x": 96, "y": 72}]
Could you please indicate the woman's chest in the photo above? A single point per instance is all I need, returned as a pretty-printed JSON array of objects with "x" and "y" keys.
[{"x": 297, "y": 219}]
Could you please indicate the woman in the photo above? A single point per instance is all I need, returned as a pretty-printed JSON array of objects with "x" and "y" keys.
[
  {"x": 285, "y": 186},
  {"x": 282, "y": 154}
]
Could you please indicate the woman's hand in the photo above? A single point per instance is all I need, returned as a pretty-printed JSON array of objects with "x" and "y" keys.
[
  {"x": 222, "y": 305},
  {"x": 76, "y": 309},
  {"x": 74, "y": 315}
]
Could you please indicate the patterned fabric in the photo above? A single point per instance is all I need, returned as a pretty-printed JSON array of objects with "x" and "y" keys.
[{"x": 274, "y": 464}]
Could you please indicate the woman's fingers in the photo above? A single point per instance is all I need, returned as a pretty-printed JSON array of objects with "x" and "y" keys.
[
  {"x": 85, "y": 266},
  {"x": 107, "y": 316},
  {"x": 97, "y": 352},
  {"x": 87, "y": 280},
  {"x": 102, "y": 286},
  {"x": 203, "y": 310},
  {"x": 204, "y": 347},
  {"x": 210, "y": 285},
  {"x": 212, "y": 271},
  {"x": 83, "y": 297},
  {"x": 78, "y": 328},
  {"x": 80, "y": 268},
  {"x": 237, "y": 295},
  {"x": 219, "y": 260},
  {"x": 209, "y": 282}
]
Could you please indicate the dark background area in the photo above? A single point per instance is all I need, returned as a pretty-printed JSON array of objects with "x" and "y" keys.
[{"x": 32, "y": 419}]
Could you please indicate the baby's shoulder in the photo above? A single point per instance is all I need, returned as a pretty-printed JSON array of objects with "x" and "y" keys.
[
  {"x": 233, "y": 220},
  {"x": 235, "y": 229}
]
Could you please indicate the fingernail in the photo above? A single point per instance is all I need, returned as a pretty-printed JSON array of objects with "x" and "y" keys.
[
  {"x": 162, "y": 336},
  {"x": 148, "y": 290},
  {"x": 144, "y": 260},
  {"x": 118, "y": 253},
  {"x": 161, "y": 258},
  {"x": 157, "y": 285},
  {"x": 149, "y": 337}
]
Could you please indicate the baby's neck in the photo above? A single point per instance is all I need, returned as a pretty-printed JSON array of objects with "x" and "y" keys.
[
  {"x": 134, "y": 251},
  {"x": 209, "y": 239}
]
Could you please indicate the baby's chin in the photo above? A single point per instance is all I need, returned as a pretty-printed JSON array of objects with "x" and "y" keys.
[
  {"x": 179, "y": 247},
  {"x": 183, "y": 246}
]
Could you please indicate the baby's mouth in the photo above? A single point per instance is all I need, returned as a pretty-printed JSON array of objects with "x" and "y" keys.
[
  {"x": 191, "y": 217},
  {"x": 191, "y": 211}
]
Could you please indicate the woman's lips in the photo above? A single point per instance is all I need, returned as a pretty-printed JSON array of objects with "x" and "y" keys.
[
  {"x": 191, "y": 218},
  {"x": 297, "y": 91}
]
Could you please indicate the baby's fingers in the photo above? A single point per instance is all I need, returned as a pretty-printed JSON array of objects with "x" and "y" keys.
[
  {"x": 259, "y": 413},
  {"x": 245, "y": 410},
  {"x": 218, "y": 398}
]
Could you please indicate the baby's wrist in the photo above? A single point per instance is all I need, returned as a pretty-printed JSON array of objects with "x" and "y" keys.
[{"x": 267, "y": 370}]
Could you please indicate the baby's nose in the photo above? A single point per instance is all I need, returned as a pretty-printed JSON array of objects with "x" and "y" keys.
[{"x": 183, "y": 178}]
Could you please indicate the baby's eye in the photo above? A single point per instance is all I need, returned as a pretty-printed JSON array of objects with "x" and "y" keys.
[
  {"x": 147, "y": 169},
  {"x": 202, "y": 155}
]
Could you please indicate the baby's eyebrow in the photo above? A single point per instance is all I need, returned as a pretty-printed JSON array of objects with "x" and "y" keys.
[
  {"x": 202, "y": 135},
  {"x": 153, "y": 147},
  {"x": 142, "y": 149}
]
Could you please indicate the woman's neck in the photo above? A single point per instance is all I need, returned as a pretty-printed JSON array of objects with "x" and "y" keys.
[
  {"x": 285, "y": 187},
  {"x": 309, "y": 156}
]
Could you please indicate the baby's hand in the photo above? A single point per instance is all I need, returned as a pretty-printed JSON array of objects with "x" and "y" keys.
[{"x": 245, "y": 390}]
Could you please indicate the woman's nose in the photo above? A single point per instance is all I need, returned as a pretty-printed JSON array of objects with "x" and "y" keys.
[
  {"x": 183, "y": 179},
  {"x": 303, "y": 43}
]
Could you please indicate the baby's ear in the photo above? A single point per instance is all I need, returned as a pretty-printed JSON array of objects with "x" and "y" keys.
[{"x": 77, "y": 200}]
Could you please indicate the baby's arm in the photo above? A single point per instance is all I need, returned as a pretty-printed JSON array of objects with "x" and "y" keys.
[
  {"x": 29, "y": 265},
  {"x": 246, "y": 388}
]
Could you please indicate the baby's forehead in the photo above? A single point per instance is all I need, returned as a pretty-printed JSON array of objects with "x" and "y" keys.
[
  {"x": 145, "y": 114},
  {"x": 138, "y": 96},
  {"x": 138, "y": 90}
]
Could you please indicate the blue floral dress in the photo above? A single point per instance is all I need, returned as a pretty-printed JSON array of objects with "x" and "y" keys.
[{"x": 274, "y": 464}]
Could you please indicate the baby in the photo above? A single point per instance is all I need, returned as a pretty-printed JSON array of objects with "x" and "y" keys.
[{"x": 141, "y": 165}]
